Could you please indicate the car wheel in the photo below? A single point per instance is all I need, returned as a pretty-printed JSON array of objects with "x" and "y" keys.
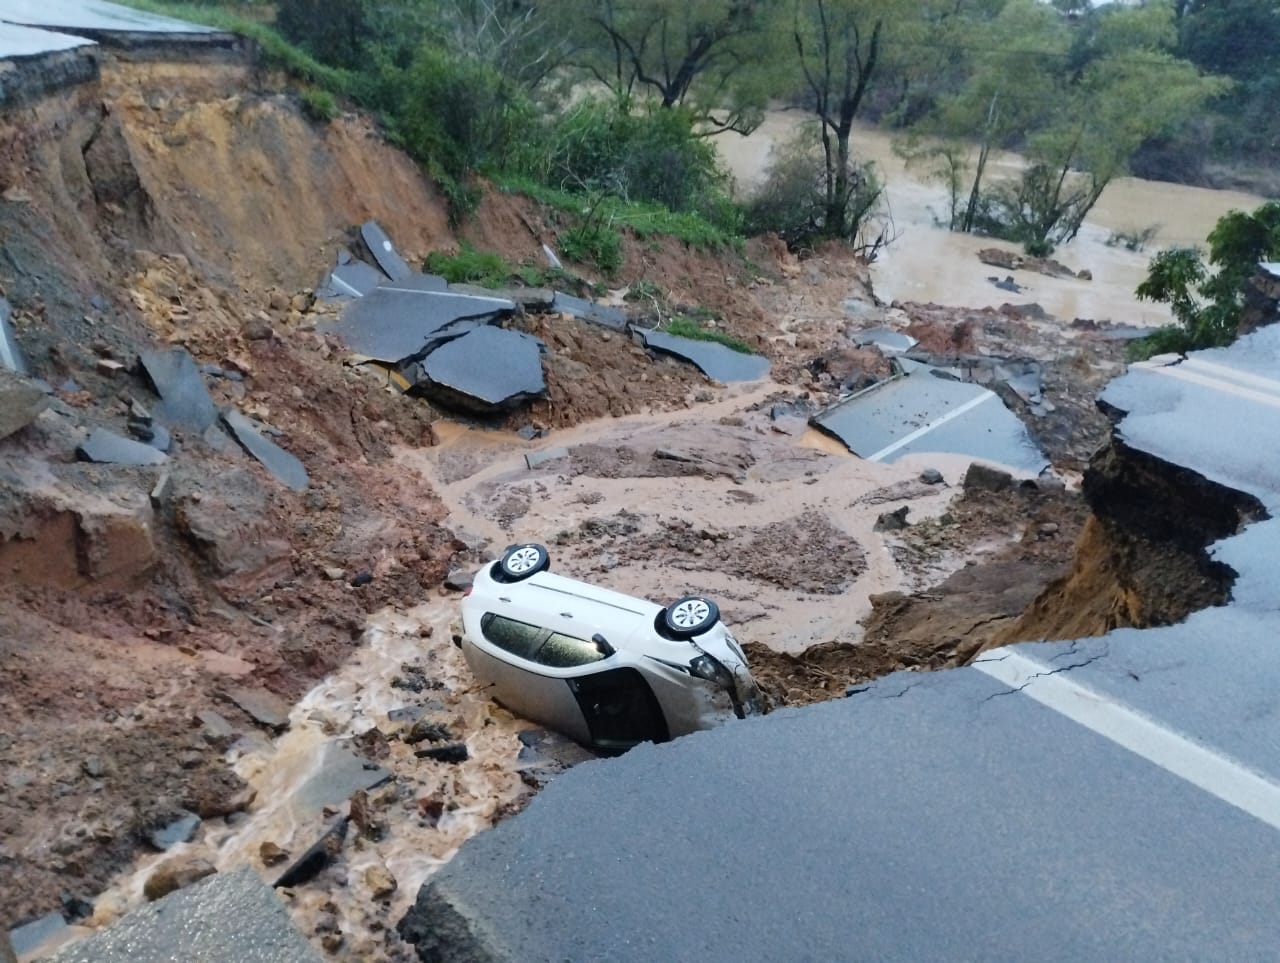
[
  {"x": 521, "y": 561},
  {"x": 690, "y": 616}
]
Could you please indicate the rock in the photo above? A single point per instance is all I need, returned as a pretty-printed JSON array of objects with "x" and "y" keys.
[
  {"x": 179, "y": 831},
  {"x": 108, "y": 367},
  {"x": 364, "y": 578},
  {"x": 1048, "y": 529},
  {"x": 217, "y": 731},
  {"x": 668, "y": 454},
  {"x": 332, "y": 942},
  {"x": 31, "y": 936},
  {"x": 983, "y": 478},
  {"x": 453, "y": 752},
  {"x": 190, "y": 759},
  {"x": 892, "y": 521},
  {"x": 21, "y": 401},
  {"x": 272, "y": 855},
  {"x": 184, "y": 399},
  {"x": 931, "y": 476},
  {"x": 380, "y": 882},
  {"x": 535, "y": 458},
  {"x": 1084, "y": 274},
  {"x": 367, "y": 825},
  {"x": 174, "y": 875},
  {"x": 334, "y": 574},
  {"x": 256, "y": 329},
  {"x": 262, "y": 706},
  {"x": 311, "y": 863},
  {"x": 425, "y": 730},
  {"x": 459, "y": 580},
  {"x": 117, "y": 546},
  {"x": 93, "y": 767}
]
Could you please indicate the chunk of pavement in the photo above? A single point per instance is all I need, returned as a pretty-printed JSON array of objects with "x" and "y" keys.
[
  {"x": 428, "y": 282},
  {"x": 176, "y": 874},
  {"x": 21, "y": 402},
  {"x": 283, "y": 466},
  {"x": 340, "y": 773},
  {"x": 584, "y": 310},
  {"x": 459, "y": 580},
  {"x": 265, "y": 708},
  {"x": 394, "y": 324},
  {"x": 887, "y": 340},
  {"x": 108, "y": 448},
  {"x": 716, "y": 361},
  {"x": 985, "y": 478},
  {"x": 11, "y": 356},
  {"x": 931, "y": 476},
  {"x": 214, "y": 727},
  {"x": 488, "y": 369},
  {"x": 32, "y": 935},
  {"x": 535, "y": 458},
  {"x": 670, "y": 454},
  {"x": 892, "y": 521},
  {"x": 349, "y": 279},
  {"x": 229, "y": 916},
  {"x": 545, "y": 754},
  {"x": 531, "y": 299},
  {"x": 313, "y": 862},
  {"x": 178, "y": 831},
  {"x": 383, "y": 251},
  {"x": 452, "y": 752},
  {"x": 184, "y": 399}
]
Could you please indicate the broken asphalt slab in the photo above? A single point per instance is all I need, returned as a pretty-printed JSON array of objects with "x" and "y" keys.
[
  {"x": 488, "y": 369},
  {"x": 108, "y": 448},
  {"x": 284, "y": 467},
  {"x": 716, "y": 361},
  {"x": 920, "y": 412},
  {"x": 1110, "y": 798},
  {"x": 613, "y": 318},
  {"x": 349, "y": 279},
  {"x": 384, "y": 251},
  {"x": 91, "y": 17},
  {"x": 176, "y": 378},
  {"x": 888, "y": 341},
  {"x": 225, "y": 917},
  {"x": 396, "y": 324},
  {"x": 339, "y": 773},
  {"x": 261, "y": 705},
  {"x": 17, "y": 41}
]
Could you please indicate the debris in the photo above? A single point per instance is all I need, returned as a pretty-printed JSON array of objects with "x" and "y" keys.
[
  {"x": 931, "y": 476},
  {"x": 550, "y": 255},
  {"x": 452, "y": 752},
  {"x": 889, "y": 342},
  {"x": 32, "y": 935},
  {"x": 459, "y": 580},
  {"x": 488, "y": 369},
  {"x": 311, "y": 863},
  {"x": 380, "y": 881},
  {"x": 174, "y": 875},
  {"x": 1008, "y": 284},
  {"x": 339, "y": 774},
  {"x": 161, "y": 490},
  {"x": 21, "y": 402},
  {"x": 362, "y": 579},
  {"x": 262, "y": 706},
  {"x": 184, "y": 399},
  {"x": 584, "y": 310},
  {"x": 349, "y": 279},
  {"x": 334, "y": 573},
  {"x": 362, "y": 817},
  {"x": 670, "y": 454},
  {"x": 228, "y": 916},
  {"x": 10, "y": 353},
  {"x": 384, "y": 252},
  {"x": 283, "y": 466},
  {"x": 892, "y": 521},
  {"x": 426, "y": 730},
  {"x": 75, "y": 908},
  {"x": 271, "y": 854},
  {"x": 535, "y": 458},
  {"x": 179, "y": 831},
  {"x": 529, "y": 432},
  {"x": 108, "y": 366},
  {"x": 716, "y": 361},
  {"x": 545, "y": 754},
  {"x": 215, "y": 728},
  {"x": 984, "y": 478},
  {"x": 108, "y": 448}
]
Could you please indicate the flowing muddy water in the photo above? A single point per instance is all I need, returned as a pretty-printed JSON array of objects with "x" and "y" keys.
[
  {"x": 928, "y": 263},
  {"x": 745, "y": 479}
]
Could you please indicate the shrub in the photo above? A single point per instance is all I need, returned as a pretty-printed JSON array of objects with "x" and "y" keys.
[
  {"x": 470, "y": 266},
  {"x": 1133, "y": 238},
  {"x": 593, "y": 243},
  {"x": 319, "y": 105}
]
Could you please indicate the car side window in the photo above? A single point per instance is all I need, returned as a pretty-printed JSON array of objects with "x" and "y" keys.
[
  {"x": 565, "y": 652},
  {"x": 518, "y": 638}
]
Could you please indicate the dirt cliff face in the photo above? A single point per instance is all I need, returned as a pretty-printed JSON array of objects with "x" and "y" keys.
[{"x": 1142, "y": 558}]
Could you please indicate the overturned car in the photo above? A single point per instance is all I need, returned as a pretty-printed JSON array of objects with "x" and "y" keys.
[{"x": 606, "y": 669}]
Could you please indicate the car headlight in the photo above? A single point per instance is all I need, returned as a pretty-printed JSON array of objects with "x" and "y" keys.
[{"x": 709, "y": 668}]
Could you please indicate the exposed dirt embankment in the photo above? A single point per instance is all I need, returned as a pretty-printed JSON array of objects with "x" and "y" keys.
[{"x": 1142, "y": 559}]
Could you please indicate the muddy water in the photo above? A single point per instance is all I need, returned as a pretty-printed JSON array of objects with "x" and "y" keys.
[{"x": 926, "y": 263}]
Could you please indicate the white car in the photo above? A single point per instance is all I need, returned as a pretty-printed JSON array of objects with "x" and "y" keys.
[{"x": 606, "y": 669}]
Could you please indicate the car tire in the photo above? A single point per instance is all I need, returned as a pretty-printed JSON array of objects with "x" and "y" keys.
[
  {"x": 520, "y": 561},
  {"x": 689, "y": 616}
]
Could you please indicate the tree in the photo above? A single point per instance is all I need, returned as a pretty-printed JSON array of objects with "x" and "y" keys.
[{"x": 1208, "y": 304}]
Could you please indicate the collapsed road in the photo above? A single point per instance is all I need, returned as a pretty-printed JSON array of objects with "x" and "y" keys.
[{"x": 1115, "y": 797}]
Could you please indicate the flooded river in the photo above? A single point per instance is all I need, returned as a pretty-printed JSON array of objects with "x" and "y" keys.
[{"x": 928, "y": 263}]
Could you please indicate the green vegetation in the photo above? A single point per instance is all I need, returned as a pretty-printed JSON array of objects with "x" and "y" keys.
[
  {"x": 487, "y": 269},
  {"x": 1133, "y": 238},
  {"x": 687, "y": 327},
  {"x": 1207, "y": 299},
  {"x": 319, "y": 105}
]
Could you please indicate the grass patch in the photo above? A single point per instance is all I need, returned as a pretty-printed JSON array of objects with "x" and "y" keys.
[
  {"x": 686, "y": 327},
  {"x": 487, "y": 269}
]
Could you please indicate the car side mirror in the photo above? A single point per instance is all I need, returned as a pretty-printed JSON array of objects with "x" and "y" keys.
[{"x": 602, "y": 644}]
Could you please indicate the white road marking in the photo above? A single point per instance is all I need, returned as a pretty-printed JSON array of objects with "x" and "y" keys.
[
  {"x": 1230, "y": 781},
  {"x": 921, "y": 432},
  {"x": 1182, "y": 373},
  {"x": 6, "y": 355},
  {"x": 1224, "y": 373}
]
